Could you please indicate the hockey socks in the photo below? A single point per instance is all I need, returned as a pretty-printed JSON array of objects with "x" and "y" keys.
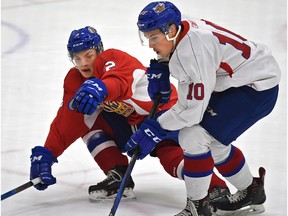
[
  {"x": 104, "y": 151},
  {"x": 235, "y": 169},
  {"x": 197, "y": 173},
  {"x": 170, "y": 156},
  {"x": 109, "y": 158},
  {"x": 172, "y": 159}
]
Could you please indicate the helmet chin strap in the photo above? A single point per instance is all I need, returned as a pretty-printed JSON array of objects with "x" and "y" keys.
[{"x": 174, "y": 38}]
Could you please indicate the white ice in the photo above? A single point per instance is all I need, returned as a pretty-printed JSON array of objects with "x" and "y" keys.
[{"x": 34, "y": 63}]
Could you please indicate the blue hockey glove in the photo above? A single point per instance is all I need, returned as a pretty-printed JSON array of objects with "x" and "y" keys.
[
  {"x": 87, "y": 98},
  {"x": 146, "y": 137},
  {"x": 41, "y": 162},
  {"x": 159, "y": 83}
]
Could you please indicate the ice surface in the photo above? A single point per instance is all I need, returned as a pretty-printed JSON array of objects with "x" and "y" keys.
[{"x": 34, "y": 63}]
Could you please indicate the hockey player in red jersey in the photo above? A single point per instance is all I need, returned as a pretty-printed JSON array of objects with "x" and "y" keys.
[
  {"x": 119, "y": 84},
  {"x": 226, "y": 83}
]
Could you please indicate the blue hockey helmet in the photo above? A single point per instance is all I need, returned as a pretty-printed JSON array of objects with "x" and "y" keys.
[
  {"x": 159, "y": 15},
  {"x": 84, "y": 39}
]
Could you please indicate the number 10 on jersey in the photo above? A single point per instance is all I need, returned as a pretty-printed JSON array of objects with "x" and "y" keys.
[{"x": 196, "y": 90}]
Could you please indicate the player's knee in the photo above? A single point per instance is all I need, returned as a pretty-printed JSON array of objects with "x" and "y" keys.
[
  {"x": 219, "y": 151},
  {"x": 97, "y": 141},
  {"x": 195, "y": 140}
]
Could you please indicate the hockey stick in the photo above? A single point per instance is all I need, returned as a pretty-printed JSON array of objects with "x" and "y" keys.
[
  {"x": 20, "y": 188},
  {"x": 131, "y": 165}
]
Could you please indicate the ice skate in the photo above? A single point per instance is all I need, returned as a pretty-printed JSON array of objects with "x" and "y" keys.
[
  {"x": 196, "y": 208},
  {"x": 218, "y": 192},
  {"x": 107, "y": 189},
  {"x": 246, "y": 202}
]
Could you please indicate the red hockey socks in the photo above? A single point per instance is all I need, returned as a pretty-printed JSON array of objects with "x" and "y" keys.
[
  {"x": 170, "y": 156},
  {"x": 110, "y": 157},
  {"x": 233, "y": 163}
]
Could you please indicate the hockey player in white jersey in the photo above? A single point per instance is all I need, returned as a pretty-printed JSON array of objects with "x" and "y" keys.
[{"x": 226, "y": 83}]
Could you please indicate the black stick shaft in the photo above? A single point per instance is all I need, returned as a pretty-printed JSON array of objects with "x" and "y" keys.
[{"x": 131, "y": 165}]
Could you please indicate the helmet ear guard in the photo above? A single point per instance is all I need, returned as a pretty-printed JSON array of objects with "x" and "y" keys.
[{"x": 84, "y": 39}]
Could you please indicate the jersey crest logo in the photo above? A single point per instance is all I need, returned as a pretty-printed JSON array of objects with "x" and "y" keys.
[{"x": 118, "y": 107}]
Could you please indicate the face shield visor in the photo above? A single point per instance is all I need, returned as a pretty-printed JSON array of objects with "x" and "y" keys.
[
  {"x": 150, "y": 40},
  {"x": 83, "y": 58}
]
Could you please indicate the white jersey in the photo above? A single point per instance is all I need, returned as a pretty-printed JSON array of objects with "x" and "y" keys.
[{"x": 209, "y": 58}]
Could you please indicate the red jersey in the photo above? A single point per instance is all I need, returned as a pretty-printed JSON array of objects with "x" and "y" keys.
[{"x": 126, "y": 82}]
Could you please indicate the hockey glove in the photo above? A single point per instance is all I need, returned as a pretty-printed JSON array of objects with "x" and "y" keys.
[
  {"x": 41, "y": 162},
  {"x": 146, "y": 137},
  {"x": 159, "y": 83},
  {"x": 87, "y": 98}
]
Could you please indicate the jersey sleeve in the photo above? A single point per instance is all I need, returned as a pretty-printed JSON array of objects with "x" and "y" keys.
[
  {"x": 120, "y": 72},
  {"x": 68, "y": 125}
]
